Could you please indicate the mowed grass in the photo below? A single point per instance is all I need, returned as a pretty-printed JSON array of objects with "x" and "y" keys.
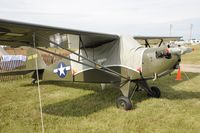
[
  {"x": 193, "y": 57},
  {"x": 85, "y": 108}
]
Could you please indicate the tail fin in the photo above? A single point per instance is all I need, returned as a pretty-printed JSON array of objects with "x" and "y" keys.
[{"x": 32, "y": 56}]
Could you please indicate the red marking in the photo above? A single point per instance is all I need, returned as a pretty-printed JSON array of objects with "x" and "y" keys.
[
  {"x": 167, "y": 50},
  {"x": 139, "y": 69},
  {"x": 74, "y": 71}
]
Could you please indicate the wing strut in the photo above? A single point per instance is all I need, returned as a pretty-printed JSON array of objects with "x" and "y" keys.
[
  {"x": 81, "y": 42},
  {"x": 161, "y": 41},
  {"x": 147, "y": 43},
  {"x": 38, "y": 84},
  {"x": 68, "y": 58},
  {"x": 96, "y": 65}
]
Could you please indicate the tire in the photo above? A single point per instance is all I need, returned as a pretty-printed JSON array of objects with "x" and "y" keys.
[
  {"x": 124, "y": 103},
  {"x": 33, "y": 81},
  {"x": 156, "y": 92}
]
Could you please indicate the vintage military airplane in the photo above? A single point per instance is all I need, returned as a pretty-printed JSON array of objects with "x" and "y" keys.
[{"x": 94, "y": 57}]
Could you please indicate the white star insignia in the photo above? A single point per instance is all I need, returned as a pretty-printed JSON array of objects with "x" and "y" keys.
[{"x": 61, "y": 70}]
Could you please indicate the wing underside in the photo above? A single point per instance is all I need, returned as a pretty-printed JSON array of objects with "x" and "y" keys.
[
  {"x": 17, "y": 34},
  {"x": 20, "y": 34}
]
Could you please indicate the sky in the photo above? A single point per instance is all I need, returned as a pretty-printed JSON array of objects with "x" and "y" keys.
[{"x": 129, "y": 17}]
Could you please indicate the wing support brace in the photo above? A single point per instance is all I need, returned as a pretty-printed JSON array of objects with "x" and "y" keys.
[{"x": 96, "y": 65}]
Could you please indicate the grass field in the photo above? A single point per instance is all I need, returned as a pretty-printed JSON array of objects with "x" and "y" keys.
[
  {"x": 193, "y": 57},
  {"x": 73, "y": 108}
]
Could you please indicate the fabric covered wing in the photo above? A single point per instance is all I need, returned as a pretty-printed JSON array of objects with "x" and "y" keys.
[{"x": 20, "y": 34}]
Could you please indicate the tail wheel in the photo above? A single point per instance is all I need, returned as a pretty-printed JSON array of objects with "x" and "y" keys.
[
  {"x": 155, "y": 92},
  {"x": 124, "y": 103},
  {"x": 33, "y": 81}
]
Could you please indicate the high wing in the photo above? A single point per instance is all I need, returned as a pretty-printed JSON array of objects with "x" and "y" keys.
[
  {"x": 154, "y": 40},
  {"x": 20, "y": 34}
]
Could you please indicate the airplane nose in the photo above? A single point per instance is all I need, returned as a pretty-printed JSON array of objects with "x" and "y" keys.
[{"x": 159, "y": 61}]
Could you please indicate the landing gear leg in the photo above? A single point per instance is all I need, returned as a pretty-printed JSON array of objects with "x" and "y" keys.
[
  {"x": 124, "y": 101},
  {"x": 151, "y": 91},
  {"x": 156, "y": 92}
]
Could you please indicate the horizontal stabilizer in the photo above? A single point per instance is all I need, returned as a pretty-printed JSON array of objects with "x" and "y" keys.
[{"x": 20, "y": 72}]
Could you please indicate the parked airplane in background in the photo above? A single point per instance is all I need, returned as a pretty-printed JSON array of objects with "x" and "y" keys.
[
  {"x": 187, "y": 42},
  {"x": 94, "y": 57}
]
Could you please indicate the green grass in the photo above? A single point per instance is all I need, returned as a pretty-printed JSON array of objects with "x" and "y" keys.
[
  {"x": 73, "y": 108},
  {"x": 193, "y": 57}
]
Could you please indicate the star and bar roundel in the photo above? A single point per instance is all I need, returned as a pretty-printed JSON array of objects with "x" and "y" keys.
[{"x": 62, "y": 70}]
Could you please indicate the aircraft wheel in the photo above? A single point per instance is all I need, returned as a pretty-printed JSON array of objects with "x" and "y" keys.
[
  {"x": 33, "y": 81},
  {"x": 156, "y": 92},
  {"x": 124, "y": 103}
]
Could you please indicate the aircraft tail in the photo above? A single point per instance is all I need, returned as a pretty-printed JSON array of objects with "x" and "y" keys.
[
  {"x": 32, "y": 56},
  {"x": 20, "y": 64}
]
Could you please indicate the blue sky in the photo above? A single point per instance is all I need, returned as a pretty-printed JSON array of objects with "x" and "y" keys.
[{"x": 132, "y": 17}]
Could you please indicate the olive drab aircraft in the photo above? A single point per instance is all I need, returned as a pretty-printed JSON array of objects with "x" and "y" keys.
[{"x": 93, "y": 57}]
